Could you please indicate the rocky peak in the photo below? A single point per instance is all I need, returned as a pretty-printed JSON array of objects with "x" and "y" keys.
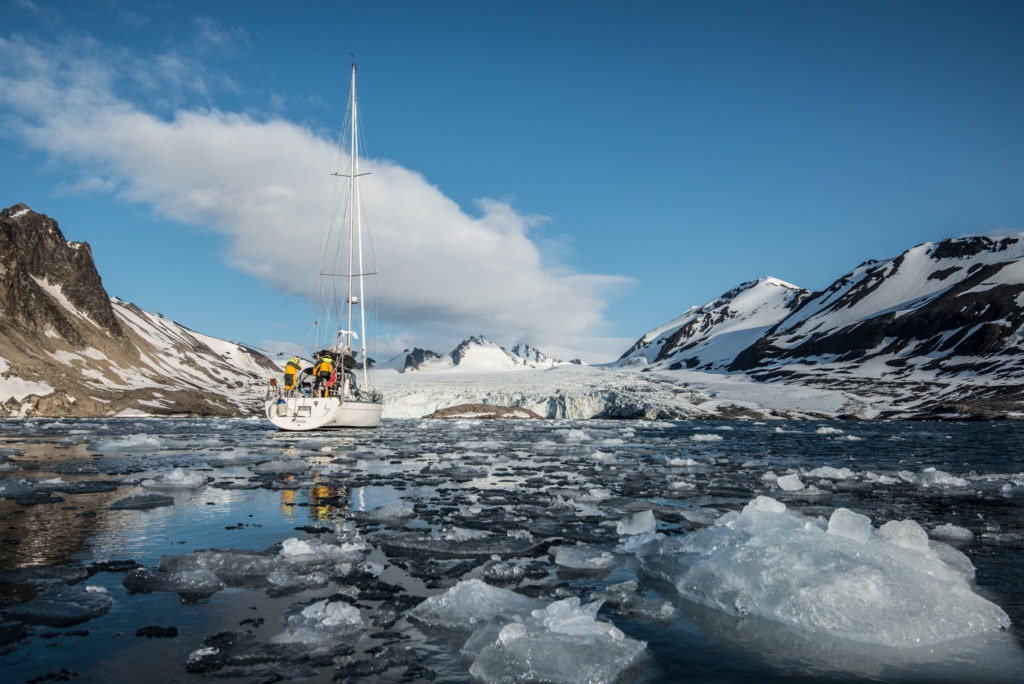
[{"x": 38, "y": 265}]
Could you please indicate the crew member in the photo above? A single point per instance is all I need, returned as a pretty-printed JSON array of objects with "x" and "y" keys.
[
  {"x": 322, "y": 372},
  {"x": 291, "y": 373}
]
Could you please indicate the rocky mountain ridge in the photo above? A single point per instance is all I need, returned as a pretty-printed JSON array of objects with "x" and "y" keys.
[
  {"x": 69, "y": 349},
  {"x": 939, "y": 327},
  {"x": 937, "y": 332},
  {"x": 475, "y": 354}
]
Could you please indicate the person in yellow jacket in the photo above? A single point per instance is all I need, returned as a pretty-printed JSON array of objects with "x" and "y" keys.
[
  {"x": 291, "y": 373},
  {"x": 322, "y": 372}
]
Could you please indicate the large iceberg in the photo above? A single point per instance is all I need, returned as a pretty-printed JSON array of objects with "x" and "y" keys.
[{"x": 841, "y": 578}]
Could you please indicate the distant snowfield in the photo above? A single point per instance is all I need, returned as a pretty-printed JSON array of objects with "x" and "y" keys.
[{"x": 575, "y": 392}]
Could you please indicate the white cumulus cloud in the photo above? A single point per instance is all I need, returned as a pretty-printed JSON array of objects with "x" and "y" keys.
[{"x": 264, "y": 184}]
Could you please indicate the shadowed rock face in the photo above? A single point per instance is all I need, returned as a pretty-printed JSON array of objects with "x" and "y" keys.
[
  {"x": 89, "y": 355},
  {"x": 974, "y": 317},
  {"x": 35, "y": 255}
]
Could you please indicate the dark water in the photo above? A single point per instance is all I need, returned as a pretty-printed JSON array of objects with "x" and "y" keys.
[{"x": 454, "y": 483}]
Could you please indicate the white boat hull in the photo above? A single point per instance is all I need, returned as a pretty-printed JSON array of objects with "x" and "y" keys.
[{"x": 321, "y": 413}]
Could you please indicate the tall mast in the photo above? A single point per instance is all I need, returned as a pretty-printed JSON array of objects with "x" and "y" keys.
[{"x": 353, "y": 200}]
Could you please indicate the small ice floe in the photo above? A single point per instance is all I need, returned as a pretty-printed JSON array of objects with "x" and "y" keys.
[
  {"x": 322, "y": 625},
  {"x": 392, "y": 512},
  {"x": 141, "y": 502},
  {"x": 282, "y": 467},
  {"x": 951, "y": 531},
  {"x": 574, "y": 435},
  {"x": 641, "y": 522},
  {"x": 626, "y": 600},
  {"x": 311, "y": 551},
  {"x": 831, "y": 473},
  {"x": 176, "y": 479},
  {"x": 706, "y": 437},
  {"x": 841, "y": 579},
  {"x": 790, "y": 483},
  {"x": 932, "y": 477},
  {"x": 584, "y": 558},
  {"x": 562, "y": 642},
  {"x": 137, "y": 442},
  {"x": 62, "y": 605},
  {"x": 826, "y": 430},
  {"x": 679, "y": 462},
  {"x": 471, "y": 603},
  {"x": 13, "y": 487},
  {"x": 880, "y": 479}
]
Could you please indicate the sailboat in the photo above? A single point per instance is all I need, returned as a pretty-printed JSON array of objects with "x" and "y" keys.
[{"x": 328, "y": 394}]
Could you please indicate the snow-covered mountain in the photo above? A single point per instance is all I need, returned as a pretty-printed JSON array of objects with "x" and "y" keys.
[
  {"x": 710, "y": 336},
  {"x": 68, "y": 349},
  {"x": 475, "y": 354},
  {"x": 938, "y": 310},
  {"x": 935, "y": 331}
]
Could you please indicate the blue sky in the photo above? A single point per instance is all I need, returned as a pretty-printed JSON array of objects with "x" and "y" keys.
[{"x": 568, "y": 174}]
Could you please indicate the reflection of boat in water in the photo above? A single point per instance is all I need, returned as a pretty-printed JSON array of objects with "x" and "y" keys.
[{"x": 333, "y": 398}]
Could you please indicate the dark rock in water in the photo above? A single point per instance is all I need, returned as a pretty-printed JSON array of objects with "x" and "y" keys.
[
  {"x": 61, "y": 606},
  {"x": 155, "y": 631},
  {"x": 484, "y": 411},
  {"x": 141, "y": 502},
  {"x": 112, "y": 566}
]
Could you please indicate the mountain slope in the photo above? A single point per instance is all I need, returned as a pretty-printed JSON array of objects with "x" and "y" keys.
[
  {"x": 69, "y": 349},
  {"x": 945, "y": 308},
  {"x": 709, "y": 337}
]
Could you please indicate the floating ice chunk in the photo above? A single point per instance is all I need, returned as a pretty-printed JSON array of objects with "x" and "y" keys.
[
  {"x": 682, "y": 462},
  {"x": 141, "y": 501},
  {"x": 584, "y": 557},
  {"x": 638, "y": 523},
  {"x": 471, "y": 602},
  {"x": 785, "y": 567},
  {"x": 706, "y": 438},
  {"x": 62, "y": 606},
  {"x": 831, "y": 473},
  {"x": 626, "y": 600},
  {"x": 396, "y": 510},
  {"x": 574, "y": 435},
  {"x": 880, "y": 479},
  {"x": 764, "y": 504},
  {"x": 790, "y": 483},
  {"x": 135, "y": 442},
  {"x": 846, "y": 523},
  {"x": 826, "y": 430},
  {"x": 951, "y": 531},
  {"x": 932, "y": 477},
  {"x": 176, "y": 479},
  {"x": 11, "y": 487},
  {"x": 905, "y": 533},
  {"x": 189, "y": 581},
  {"x": 563, "y": 642},
  {"x": 309, "y": 551},
  {"x": 323, "y": 623},
  {"x": 280, "y": 467}
]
